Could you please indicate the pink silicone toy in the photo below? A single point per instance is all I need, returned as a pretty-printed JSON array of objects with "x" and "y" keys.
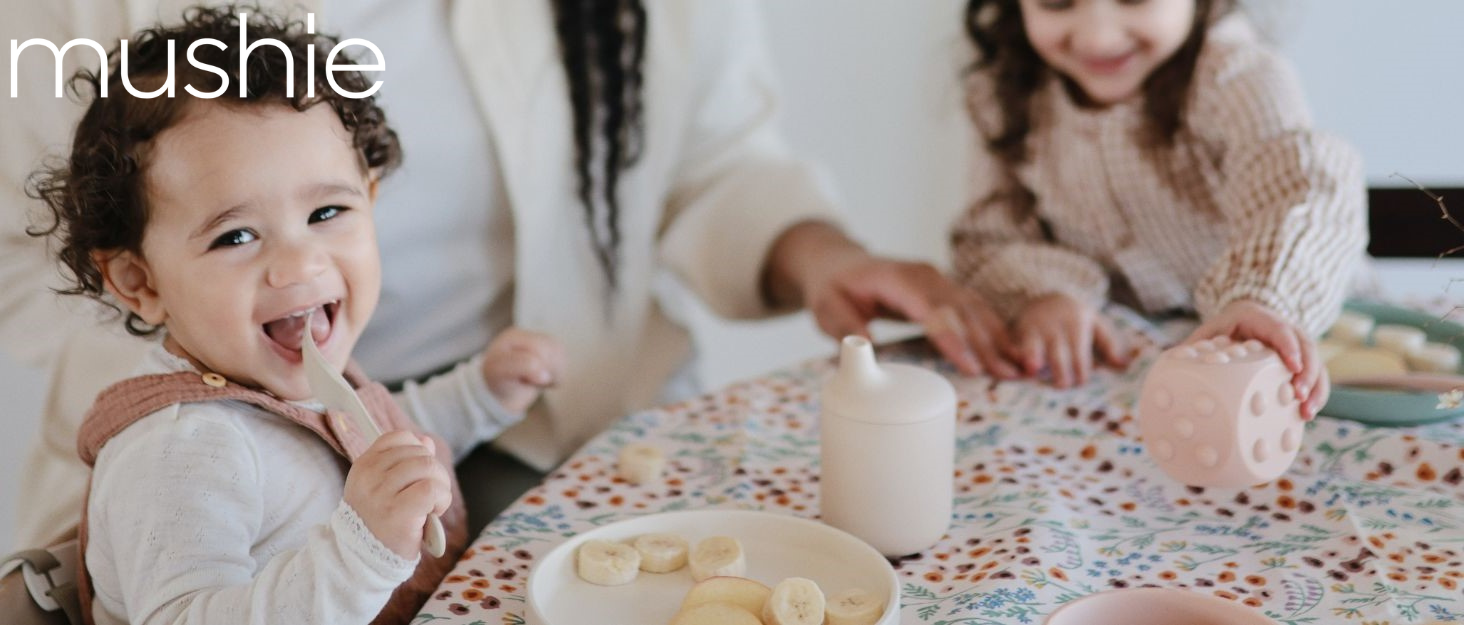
[{"x": 1219, "y": 413}]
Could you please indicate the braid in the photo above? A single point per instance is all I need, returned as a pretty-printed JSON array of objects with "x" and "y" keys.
[
  {"x": 603, "y": 45},
  {"x": 612, "y": 76},
  {"x": 632, "y": 133}
]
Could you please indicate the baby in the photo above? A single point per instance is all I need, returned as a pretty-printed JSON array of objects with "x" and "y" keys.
[{"x": 233, "y": 227}]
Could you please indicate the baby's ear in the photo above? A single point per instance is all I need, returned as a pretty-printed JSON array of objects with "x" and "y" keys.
[{"x": 129, "y": 279}]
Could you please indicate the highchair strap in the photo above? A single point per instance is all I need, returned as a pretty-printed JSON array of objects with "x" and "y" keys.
[{"x": 38, "y": 586}]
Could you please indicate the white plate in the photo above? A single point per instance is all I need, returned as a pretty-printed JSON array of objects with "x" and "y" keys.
[{"x": 777, "y": 546}]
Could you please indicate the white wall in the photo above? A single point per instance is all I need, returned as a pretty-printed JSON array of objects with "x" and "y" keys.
[
  {"x": 1389, "y": 76},
  {"x": 870, "y": 92}
]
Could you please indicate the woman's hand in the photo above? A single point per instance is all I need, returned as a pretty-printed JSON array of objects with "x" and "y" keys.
[
  {"x": 845, "y": 287},
  {"x": 1061, "y": 333},
  {"x": 957, "y": 321},
  {"x": 1248, "y": 319}
]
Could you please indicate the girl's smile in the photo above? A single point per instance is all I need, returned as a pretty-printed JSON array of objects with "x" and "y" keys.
[
  {"x": 1107, "y": 65},
  {"x": 1107, "y": 47}
]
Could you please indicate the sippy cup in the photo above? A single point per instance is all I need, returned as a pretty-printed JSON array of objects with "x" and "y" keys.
[{"x": 887, "y": 451}]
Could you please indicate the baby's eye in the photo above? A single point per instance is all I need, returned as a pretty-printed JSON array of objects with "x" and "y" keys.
[
  {"x": 232, "y": 238},
  {"x": 1055, "y": 5},
  {"x": 325, "y": 213}
]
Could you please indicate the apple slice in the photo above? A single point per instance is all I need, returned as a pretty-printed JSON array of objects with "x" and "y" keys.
[
  {"x": 748, "y": 594},
  {"x": 715, "y": 613}
]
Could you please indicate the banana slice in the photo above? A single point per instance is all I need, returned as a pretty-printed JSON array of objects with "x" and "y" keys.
[
  {"x": 715, "y": 614},
  {"x": 795, "y": 601},
  {"x": 661, "y": 553},
  {"x": 718, "y": 555},
  {"x": 1398, "y": 338},
  {"x": 1361, "y": 362},
  {"x": 740, "y": 591},
  {"x": 1435, "y": 358},
  {"x": 1329, "y": 348},
  {"x": 1351, "y": 328},
  {"x": 607, "y": 564},
  {"x": 640, "y": 463},
  {"x": 854, "y": 606}
]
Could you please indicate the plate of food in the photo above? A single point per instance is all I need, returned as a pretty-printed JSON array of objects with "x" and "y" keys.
[
  {"x": 1391, "y": 365},
  {"x": 713, "y": 567}
]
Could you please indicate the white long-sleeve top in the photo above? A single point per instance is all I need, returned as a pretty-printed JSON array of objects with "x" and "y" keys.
[
  {"x": 1249, "y": 202},
  {"x": 221, "y": 512}
]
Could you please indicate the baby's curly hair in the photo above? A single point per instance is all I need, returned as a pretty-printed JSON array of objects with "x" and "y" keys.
[{"x": 96, "y": 196}]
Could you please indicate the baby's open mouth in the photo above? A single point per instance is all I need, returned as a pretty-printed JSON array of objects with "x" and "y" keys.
[{"x": 289, "y": 331}]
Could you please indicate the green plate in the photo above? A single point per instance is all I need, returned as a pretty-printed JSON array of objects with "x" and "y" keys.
[{"x": 1396, "y": 408}]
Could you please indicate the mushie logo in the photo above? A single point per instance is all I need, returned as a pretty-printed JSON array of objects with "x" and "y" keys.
[{"x": 169, "y": 87}]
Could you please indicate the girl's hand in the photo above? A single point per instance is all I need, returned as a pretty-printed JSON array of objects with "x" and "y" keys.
[
  {"x": 1248, "y": 319},
  {"x": 1061, "y": 333},
  {"x": 519, "y": 364},
  {"x": 394, "y": 485}
]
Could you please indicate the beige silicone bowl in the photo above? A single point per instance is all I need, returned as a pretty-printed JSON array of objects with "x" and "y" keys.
[{"x": 1155, "y": 606}]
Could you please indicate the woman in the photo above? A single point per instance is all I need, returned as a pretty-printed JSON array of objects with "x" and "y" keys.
[{"x": 563, "y": 158}]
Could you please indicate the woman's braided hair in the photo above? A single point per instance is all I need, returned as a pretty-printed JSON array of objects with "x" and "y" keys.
[{"x": 603, "y": 44}]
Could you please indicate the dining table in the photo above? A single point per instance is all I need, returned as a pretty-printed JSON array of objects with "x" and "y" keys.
[{"x": 1055, "y": 499}]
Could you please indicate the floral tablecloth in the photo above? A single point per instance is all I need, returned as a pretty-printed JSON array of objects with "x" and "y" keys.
[{"x": 1055, "y": 499}]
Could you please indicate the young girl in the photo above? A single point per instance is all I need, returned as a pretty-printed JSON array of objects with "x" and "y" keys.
[
  {"x": 1157, "y": 154},
  {"x": 236, "y": 226}
]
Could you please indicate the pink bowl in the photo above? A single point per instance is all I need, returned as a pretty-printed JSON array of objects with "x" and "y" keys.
[{"x": 1155, "y": 606}]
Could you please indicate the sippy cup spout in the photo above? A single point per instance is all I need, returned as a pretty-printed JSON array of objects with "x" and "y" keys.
[{"x": 857, "y": 367}]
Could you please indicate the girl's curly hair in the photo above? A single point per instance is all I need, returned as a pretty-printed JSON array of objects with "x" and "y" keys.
[{"x": 96, "y": 196}]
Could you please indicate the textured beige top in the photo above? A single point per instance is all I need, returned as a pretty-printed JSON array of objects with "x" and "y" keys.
[{"x": 1249, "y": 202}]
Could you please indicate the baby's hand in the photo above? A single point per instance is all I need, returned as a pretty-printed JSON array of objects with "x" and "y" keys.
[
  {"x": 394, "y": 485},
  {"x": 519, "y": 364},
  {"x": 1062, "y": 333},
  {"x": 1248, "y": 319}
]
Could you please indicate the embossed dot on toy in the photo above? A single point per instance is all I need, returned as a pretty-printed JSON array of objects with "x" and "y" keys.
[{"x": 1221, "y": 414}]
